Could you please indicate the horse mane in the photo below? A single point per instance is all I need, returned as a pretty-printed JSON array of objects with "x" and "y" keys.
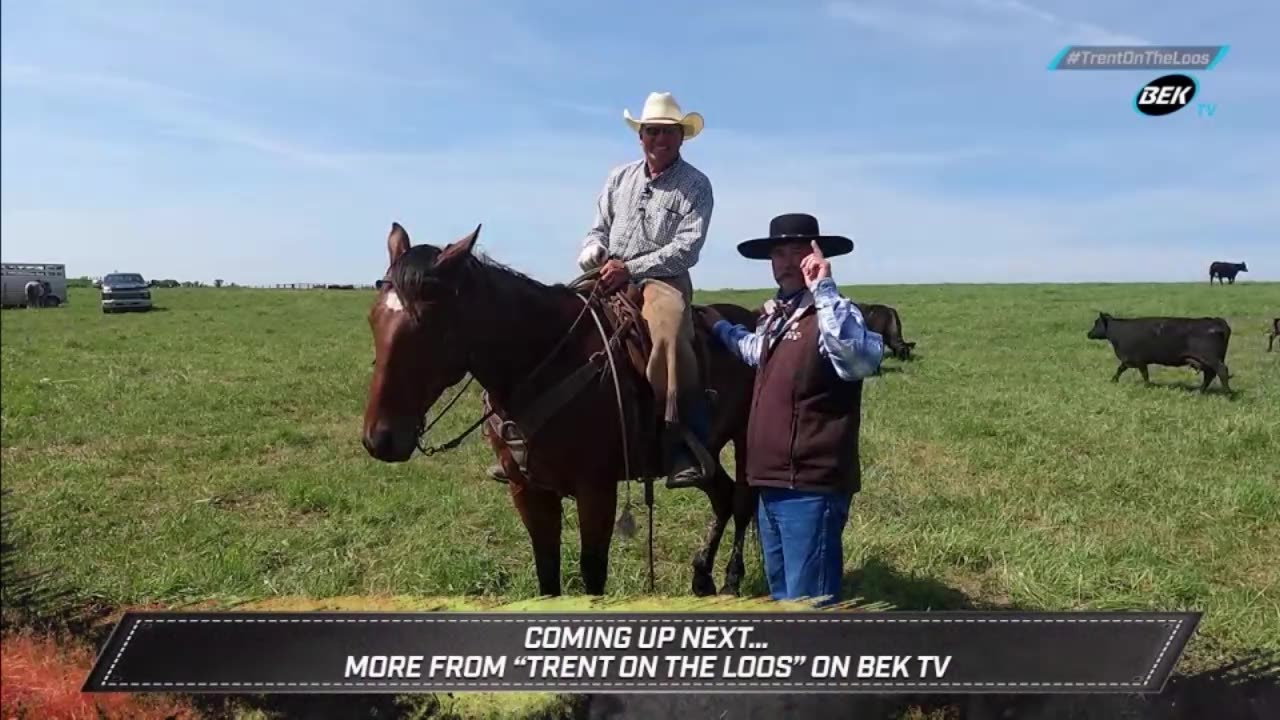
[{"x": 413, "y": 274}]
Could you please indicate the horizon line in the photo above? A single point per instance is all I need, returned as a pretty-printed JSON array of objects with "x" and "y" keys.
[{"x": 231, "y": 284}]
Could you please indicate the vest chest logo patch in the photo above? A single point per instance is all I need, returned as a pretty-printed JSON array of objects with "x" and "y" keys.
[{"x": 792, "y": 333}]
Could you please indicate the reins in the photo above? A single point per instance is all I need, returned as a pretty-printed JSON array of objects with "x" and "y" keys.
[
  {"x": 425, "y": 427},
  {"x": 608, "y": 342}
]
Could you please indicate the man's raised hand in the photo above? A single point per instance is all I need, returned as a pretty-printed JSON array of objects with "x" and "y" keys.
[{"x": 815, "y": 266}]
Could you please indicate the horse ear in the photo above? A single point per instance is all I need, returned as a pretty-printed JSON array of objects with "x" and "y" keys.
[
  {"x": 457, "y": 250},
  {"x": 397, "y": 242}
]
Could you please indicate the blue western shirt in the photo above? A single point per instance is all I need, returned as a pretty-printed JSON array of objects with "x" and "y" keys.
[{"x": 853, "y": 350}]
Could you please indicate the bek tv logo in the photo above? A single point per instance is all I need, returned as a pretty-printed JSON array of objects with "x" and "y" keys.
[{"x": 1165, "y": 95}]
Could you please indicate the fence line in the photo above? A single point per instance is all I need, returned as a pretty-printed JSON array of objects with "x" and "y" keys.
[{"x": 309, "y": 286}]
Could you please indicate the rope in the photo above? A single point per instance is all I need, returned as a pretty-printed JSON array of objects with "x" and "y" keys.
[
  {"x": 429, "y": 451},
  {"x": 617, "y": 391},
  {"x": 622, "y": 426}
]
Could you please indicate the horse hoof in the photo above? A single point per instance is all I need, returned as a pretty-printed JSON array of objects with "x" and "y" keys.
[
  {"x": 703, "y": 585},
  {"x": 731, "y": 588}
]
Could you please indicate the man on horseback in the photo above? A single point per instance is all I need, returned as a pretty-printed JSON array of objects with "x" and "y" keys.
[{"x": 650, "y": 225}]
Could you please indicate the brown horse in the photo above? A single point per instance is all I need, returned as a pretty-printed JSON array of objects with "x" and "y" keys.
[{"x": 441, "y": 313}]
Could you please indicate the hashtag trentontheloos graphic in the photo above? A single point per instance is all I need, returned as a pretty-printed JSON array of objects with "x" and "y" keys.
[{"x": 1138, "y": 57}]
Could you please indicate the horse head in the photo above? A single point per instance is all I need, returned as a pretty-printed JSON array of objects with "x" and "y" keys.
[{"x": 419, "y": 340}]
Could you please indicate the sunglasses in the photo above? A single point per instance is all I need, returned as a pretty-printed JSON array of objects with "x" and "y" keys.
[{"x": 656, "y": 130}]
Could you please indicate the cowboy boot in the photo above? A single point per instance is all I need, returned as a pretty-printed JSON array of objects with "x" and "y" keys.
[
  {"x": 686, "y": 469},
  {"x": 496, "y": 472}
]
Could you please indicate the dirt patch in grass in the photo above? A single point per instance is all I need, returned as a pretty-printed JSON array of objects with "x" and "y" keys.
[
  {"x": 41, "y": 677},
  {"x": 42, "y": 674}
]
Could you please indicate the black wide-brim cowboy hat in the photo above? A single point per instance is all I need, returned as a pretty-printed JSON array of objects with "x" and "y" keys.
[{"x": 793, "y": 227}]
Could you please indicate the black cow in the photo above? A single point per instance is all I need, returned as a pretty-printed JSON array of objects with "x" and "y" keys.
[
  {"x": 1275, "y": 331},
  {"x": 883, "y": 319},
  {"x": 1226, "y": 270},
  {"x": 1175, "y": 342}
]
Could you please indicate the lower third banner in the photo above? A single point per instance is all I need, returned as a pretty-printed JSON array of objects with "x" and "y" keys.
[{"x": 880, "y": 652}]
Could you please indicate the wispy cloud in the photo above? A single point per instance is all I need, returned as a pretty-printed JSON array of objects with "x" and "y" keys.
[
  {"x": 953, "y": 23},
  {"x": 202, "y": 126},
  {"x": 588, "y": 109},
  {"x": 87, "y": 83},
  {"x": 258, "y": 44},
  {"x": 174, "y": 112},
  {"x": 279, "y": 140},
  {"x": 534, "y": 214},
  {"x": 911, "y": 24},
  {"x": 1078, "y": 32},
  {"x": 912, "y": 159}
]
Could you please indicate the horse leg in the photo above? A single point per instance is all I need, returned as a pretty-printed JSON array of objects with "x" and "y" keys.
[
  {"x": 596, "y": 509},
  {"x": 720, "y": 492},
  {"x": 541, "y": 513},
  {"x": 744, "y": 509}
]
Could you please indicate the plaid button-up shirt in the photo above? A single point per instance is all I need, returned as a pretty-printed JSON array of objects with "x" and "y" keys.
[
  {"x": 655, "y": 226},
  {"x": 853, "y": 350}
]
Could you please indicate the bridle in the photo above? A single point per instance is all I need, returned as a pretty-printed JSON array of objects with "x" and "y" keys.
[
  {"x": 424, "y": 427},
  {"x": 549, "y": 400}
]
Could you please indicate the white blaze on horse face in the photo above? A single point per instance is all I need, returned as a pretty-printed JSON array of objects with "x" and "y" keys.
[{"x": 392, "y": 302}]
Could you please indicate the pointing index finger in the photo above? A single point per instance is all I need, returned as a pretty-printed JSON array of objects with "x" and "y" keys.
[{"x": 816, "y": 250}]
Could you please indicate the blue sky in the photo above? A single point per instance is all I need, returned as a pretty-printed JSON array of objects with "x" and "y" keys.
[{"x": 276, "y": 142}]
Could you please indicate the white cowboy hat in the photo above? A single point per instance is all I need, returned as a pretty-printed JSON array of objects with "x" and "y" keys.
[{"x": 662, "y": 109}]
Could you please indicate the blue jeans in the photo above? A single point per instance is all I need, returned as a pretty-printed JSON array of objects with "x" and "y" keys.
[{"x": 800, "y": 533}]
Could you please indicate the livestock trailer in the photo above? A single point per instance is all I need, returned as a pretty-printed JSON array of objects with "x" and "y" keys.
[{"x": 15, "y": 276}]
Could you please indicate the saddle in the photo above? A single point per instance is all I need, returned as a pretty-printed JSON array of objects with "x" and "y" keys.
[{"x": 619, "y": 316}]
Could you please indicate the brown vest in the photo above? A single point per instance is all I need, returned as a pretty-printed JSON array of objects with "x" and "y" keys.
[{"x": 803, "y": 430}]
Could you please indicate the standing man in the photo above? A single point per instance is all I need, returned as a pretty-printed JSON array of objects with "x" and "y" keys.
[
  {"x": 35, "y": 294},
  {"x": 650, "y": 224},
  {"x": 812, "y": 350}
]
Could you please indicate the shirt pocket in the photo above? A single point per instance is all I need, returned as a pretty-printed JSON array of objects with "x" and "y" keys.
[{"x": 665, "y": 215}]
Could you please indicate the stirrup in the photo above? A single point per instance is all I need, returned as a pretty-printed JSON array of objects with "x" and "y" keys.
[
  {"x": 708, "y": 464},
  {"x": 509, "y": 433},
  {"x": 702, "y": 469},
  {"x": 511, "y": 436},
  {"x": 686, "y": 478}
]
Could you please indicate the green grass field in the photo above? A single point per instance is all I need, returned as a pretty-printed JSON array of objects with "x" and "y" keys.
[{"x": 210, "y": 451}]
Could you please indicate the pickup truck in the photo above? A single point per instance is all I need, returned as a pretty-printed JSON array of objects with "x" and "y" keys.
[{"x": 122, "y": 292}]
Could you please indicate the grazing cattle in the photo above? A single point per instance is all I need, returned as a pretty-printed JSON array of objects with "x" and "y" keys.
[
  {"x": 1176, "y": 342},
  {"x": 884, "y": 320},
  {"x": 1275, "y": 331},
  {"x": 1226, "y": 270}
]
